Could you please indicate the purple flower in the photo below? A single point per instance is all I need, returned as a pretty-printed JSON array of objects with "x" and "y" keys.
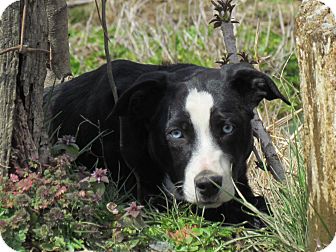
[
  {"x": 134, "y": 210},
  {"x": 100, "y": 175},
  {"x": 14, "y": 178}
]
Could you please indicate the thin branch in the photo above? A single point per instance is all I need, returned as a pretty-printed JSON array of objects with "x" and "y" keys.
[
  {"x": 102, "y": 19},
  {"x": 223, "y": 18},
  {"x": 272, "y": 159},
  {"x": 24, "y": 14},
  {"x": 230, "y": 41},
  {"x": 22, "y": 50}
]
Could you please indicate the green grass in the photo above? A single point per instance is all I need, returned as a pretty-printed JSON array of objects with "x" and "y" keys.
[
  {"x": 287, "y": 228},
  {"x": 178, "y": 229},
  {"x": 172, "y": 37},
  {"x": 180, "y": 33},
  {"x": 179, "y": 51}
]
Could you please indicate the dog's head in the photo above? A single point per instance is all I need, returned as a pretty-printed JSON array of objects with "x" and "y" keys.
[{"x": 197, "y": 126}]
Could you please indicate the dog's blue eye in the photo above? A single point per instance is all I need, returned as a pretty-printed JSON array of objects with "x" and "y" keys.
[
  {"x": 227, "y": 128},
  {"x": 176, "y": 134}
]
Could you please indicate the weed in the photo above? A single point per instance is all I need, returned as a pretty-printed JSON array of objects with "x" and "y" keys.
[{"x": 63, "y": 207}]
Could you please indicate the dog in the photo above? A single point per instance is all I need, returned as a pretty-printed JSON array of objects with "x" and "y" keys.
[{"x": 181, "y": 128}]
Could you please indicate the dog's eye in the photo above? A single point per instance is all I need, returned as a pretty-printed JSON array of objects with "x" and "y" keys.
[
  {"x": 176, "y": 134},
  {"x": 228, "y": 128}
]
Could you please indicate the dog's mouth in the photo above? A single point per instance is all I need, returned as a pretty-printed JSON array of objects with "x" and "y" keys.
[
  {"x": 212, "y": 195},
  {"x": 206, "y": 203}
]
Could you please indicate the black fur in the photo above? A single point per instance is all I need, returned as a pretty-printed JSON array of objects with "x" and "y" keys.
[{"x": 151, "y": 99}]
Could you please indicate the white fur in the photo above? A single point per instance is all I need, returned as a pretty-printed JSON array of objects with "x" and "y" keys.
[{"x": 207, "y": 154}]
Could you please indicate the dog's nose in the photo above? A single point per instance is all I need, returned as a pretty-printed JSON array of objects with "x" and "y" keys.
[{"x": 208, "y": 183}]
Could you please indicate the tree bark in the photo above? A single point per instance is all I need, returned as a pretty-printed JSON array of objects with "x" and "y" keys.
[
  {"x": 22, "y": 76},
  {"x": 9, "y": 28},
  {"x": 59, "y": 69},
  {"x": 316, "y": 50}
]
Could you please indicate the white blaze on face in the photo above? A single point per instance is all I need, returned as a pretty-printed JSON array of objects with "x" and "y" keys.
[{"x": 207, "y": 155}]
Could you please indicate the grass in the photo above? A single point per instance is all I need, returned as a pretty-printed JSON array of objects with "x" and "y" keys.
[{"x": 178, "y": 31}]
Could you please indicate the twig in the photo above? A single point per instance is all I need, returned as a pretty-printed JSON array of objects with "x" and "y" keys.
[
  {"x": 24, "y": 14},
  {"x": 259, "y": 162},
  {"x": 223, "y": 19},
  {"x": 23, "y": 48},
  {"x": 4, "y": 166},
  {"x": 268, "y": 149},
  {"x": 230, "y": 41},
  {"x": 102, "y": 19}
]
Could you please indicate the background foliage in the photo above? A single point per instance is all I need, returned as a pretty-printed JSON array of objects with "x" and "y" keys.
[{"x": 64, "y": 207}]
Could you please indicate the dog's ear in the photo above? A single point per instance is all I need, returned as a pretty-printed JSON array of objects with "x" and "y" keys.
[
  {"x": 254, "y": 85},
  {"x": 142, "y": 98}
]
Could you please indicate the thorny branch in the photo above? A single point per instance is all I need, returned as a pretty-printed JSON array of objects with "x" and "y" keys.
[{"x": 224, "y": 20}]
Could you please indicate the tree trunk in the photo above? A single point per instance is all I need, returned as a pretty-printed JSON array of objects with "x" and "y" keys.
[
  {"x": 9, "y": 28},
  {"x": 316, "y": 50},
  {"x": 22, "y": 77},
  {"x": 59, "y": 69}
]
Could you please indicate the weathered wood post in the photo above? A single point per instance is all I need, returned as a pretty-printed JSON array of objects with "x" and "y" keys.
[
  {"x": 9, "y": 28},
  {"x": 23, "y": 58},
  {"x": 33, "y": 34},
  {"x": 316, "y": 50}
]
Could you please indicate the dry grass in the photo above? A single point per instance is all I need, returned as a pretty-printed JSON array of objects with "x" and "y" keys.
[
  {"x": 173, "y": 31},
  {"x": 147, "y": 27},
  {"x": 178, "y": 31}
]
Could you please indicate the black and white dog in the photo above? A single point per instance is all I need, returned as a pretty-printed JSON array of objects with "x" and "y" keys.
[{"x": 184, "y": 128}]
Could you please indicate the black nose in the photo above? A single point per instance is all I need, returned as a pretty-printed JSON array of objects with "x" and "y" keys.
[{"x": 208, "y": 183}]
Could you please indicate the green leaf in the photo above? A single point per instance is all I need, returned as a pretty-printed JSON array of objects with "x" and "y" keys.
[
  {"x": 99, "y": 188},
  {"x": 193, "y": 248},
  {"x": 72, "y": 150}
]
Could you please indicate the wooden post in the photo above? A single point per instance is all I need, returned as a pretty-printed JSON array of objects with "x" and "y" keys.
[
  {"x": 9, "y": 67},
  {"x": 316, "y": 50},
  {"x": 22, "y": 75},
  {"x": 59, "y": 70}
]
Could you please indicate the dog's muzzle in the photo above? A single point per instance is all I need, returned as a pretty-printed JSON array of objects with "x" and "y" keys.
[{"x": 208, "y": 185}]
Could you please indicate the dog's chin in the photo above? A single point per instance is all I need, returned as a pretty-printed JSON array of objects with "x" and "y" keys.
[{"x": 213, "y": 203}]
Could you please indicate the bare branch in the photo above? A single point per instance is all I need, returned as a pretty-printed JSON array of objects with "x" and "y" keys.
[
  {"x": 224, "y": 20},
  {"x": 272, "y": 159},
  {"x": 230, "y": 41},
  {"x": 102, "y": 19}
]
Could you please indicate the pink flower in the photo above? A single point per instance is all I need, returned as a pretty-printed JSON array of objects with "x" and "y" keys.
[
  {"x": 134, "y": 210},
  {"x": 14, "y": 178},
  {"x": 100, "y": 175},
  {"x": 61, "y": 191}
]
